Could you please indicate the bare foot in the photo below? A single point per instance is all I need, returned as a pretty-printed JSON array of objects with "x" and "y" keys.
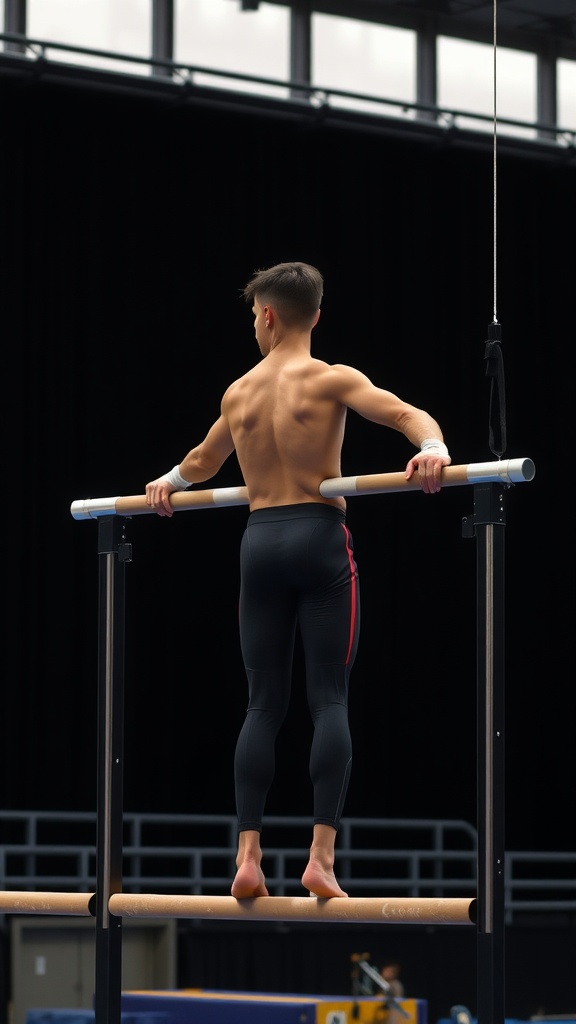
[
  {"x": 249, "y": 881},
  {"x": 321, "y": 881}
]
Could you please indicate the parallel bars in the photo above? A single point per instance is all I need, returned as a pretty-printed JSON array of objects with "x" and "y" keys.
[{"x": 110, "y": 905}]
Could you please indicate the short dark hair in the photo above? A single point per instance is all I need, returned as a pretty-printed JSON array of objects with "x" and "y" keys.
[{"x": 294, "y": 289}]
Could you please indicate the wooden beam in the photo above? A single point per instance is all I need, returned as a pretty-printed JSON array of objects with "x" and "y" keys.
[
  {"x": 74, "y": 904},
  {"x": 362, "y": 910}
]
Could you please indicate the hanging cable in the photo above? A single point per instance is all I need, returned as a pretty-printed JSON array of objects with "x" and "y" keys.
[
  {"x": 494, "y": 161},
  {"x": 493, "y": 351}
]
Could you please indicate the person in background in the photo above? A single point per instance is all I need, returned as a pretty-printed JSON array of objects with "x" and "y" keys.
[{"x": 391, "y": 974}]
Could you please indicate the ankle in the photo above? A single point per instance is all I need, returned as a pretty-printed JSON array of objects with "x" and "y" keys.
[{"x": 249, "y": 849}]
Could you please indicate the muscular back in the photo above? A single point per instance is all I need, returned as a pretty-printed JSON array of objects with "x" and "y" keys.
[
  {"x": 287, "y": 427},
  {"x": 285, "y": 419}
]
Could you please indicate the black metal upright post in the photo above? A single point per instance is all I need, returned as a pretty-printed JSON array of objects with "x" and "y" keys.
[
  {"x": 113, "y": 552},
  {"x": 489, "y": 523}
]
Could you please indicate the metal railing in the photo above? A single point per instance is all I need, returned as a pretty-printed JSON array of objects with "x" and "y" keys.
[
  {"x": 144, "y": 72},
  {"x": 195, "y": 854}
]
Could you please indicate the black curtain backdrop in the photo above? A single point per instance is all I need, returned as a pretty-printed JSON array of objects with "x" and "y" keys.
[{"x": 128, "y": 227}]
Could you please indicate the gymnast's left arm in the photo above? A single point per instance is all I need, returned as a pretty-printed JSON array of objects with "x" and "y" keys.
[
  {"x": 357, "y": 391},
  {"x": 433, "y": 455}
]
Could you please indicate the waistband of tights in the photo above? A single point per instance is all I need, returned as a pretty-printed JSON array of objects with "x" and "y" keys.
[{"x": 300, "y": 510}]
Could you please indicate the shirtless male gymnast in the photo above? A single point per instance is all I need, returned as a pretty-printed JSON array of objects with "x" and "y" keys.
[{"x": 285, "y": 419}]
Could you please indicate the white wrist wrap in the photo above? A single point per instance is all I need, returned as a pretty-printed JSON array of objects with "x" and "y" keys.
[
  {"x": 431, "y": 446},
  {"x": 177, "y": 481}
]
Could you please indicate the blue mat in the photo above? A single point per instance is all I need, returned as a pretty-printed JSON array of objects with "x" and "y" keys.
[{"x": 88, "y": 1017}]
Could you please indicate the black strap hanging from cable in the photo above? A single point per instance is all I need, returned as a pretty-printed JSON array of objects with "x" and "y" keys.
[{"x": 495, "y": 371}]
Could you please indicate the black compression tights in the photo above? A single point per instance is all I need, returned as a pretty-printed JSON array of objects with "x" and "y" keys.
[{"x": 297, "y": 570}]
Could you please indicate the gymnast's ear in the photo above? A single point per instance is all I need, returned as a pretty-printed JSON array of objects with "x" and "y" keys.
[{"x": 316, "y": 318}]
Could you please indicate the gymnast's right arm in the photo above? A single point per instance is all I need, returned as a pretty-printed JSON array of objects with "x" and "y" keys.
[{"x": 201, "y": 463}]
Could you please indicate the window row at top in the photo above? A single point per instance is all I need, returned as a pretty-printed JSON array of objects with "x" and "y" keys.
[{"x": 371, "y": 60}]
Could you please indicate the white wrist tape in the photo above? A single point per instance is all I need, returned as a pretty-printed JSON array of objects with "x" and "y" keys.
[
  {"x": 431, "y": 446},
  {"x": 177, "y": 481}
]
